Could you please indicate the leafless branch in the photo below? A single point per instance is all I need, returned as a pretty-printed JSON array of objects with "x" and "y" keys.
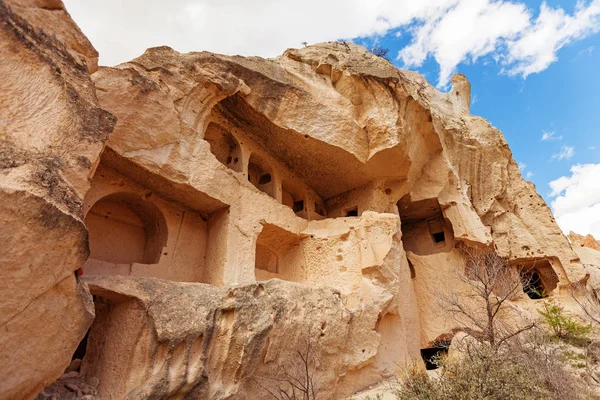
[
  {"x": 297, "y": 378},
  {"x": 480, "y": 302}
]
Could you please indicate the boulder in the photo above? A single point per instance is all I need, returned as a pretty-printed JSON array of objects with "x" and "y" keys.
[{"x": 52, "y": 132}]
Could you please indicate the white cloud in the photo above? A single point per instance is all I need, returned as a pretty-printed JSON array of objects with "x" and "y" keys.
[
  {"x": 467, "y": 31},
  {"x": 536, "y": 47},
  {"x": 565, "y": 153},
  {"x": 122, "y": 30},
  {"x": 451, "y": 31},
  {"x": 550, "y": 136},
  {"x": 591, "y": 147},
  {"x": 576, "y": 203},
  {"x": 522, "y": 167}
]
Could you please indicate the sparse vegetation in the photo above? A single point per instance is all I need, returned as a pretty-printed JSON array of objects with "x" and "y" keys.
[
  {"x": 531, "y": 372},
  {"x": 296, "y": 378},
  {"x": 483, "y": 309},
  {"x": 503, "y": 356},
  {"x": 563, "y": 326},
  {"x": 380, "y": 51}
]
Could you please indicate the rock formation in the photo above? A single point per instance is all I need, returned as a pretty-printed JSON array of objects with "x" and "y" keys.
[
  {"x": 584, "y": 241},
  {"x": 588, "y": 250},
  {"x": 52, "y": 132},
  {"x": 243, "y": 209}
]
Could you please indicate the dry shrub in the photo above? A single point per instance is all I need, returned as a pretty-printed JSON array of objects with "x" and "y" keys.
[
  {"x": 482, "y": 309},
  {"x": 297, "y": 378},
  {"x": 528, "y": 369}
]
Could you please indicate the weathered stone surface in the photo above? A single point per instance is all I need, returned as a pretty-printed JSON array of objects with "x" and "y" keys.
[
  {"x": 590, "y": 259},
  {"x": 231, "y": 337},
  {"x": 52, "y": 18},
  {"x": 225, "y": 177},
  {"x": 584, "y": 241},
  {"x": 51, "y": 134}
]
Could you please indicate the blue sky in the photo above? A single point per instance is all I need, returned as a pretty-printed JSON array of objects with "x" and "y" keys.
[
  {"x": 533, "y": 65},
  {"x": 550, "y": 118},
  {"x": 562, "y": 101}
]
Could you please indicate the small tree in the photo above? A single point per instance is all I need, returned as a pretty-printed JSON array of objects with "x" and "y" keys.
[
  {"x": 480, "y": 307},
  {"x": 562, "y": 325},
  {"x": 304, "y": 44},
  {"x": 296, "y": 378},
  {"x": 380, "y": 51},
  {"x": 587, "y": 299}
]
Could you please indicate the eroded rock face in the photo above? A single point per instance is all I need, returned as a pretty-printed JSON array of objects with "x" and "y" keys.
[
  {"x": 51, "y": 134},
  {"x": 242, "y": 206},
  {"x": 231, "y": 336},
  {"x": 584, "y": 241},
  {"x": 327, "y": 167}
]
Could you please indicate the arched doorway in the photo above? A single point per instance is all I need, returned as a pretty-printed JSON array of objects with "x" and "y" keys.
[{"x": 124, "y": 229}]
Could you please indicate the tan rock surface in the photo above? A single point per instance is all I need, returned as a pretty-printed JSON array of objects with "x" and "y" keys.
[
  {"x": 590, "y": 259},
  {"x": 584, "y": 241},
  {"x": 230, "y": 338},
  {"x": 224, "y": 178},
  {"x": 51, "y": 17},
  {"x": 51, "y": 134},
  {"x": 347, "y": 128}
]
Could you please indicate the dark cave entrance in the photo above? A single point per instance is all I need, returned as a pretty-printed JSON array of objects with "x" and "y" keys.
[
  {"x": 353, "y": 212},
  {"x": 81, "y": 348},
  {"x": 538, "y": 277},
  {"x": 533, "y": 286},
  {"x": 432, "y": 355}
]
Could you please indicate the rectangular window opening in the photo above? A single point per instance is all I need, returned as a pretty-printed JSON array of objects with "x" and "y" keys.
[
  {"x": 438, "y": 237},
  {"x": 298, "y": 206}
]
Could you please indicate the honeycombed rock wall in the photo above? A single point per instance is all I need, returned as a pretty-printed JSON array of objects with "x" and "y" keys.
[{"x": 241, "y": 209}]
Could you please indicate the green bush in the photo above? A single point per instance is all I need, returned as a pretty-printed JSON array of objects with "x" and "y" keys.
[{"x": 563, "y": 326}]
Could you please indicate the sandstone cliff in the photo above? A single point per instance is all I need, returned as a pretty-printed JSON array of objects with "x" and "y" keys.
[
  {"x": 584, "y": 241},
  {"x": 52, "y": 132},
  {"x": 242, "y": 208}
]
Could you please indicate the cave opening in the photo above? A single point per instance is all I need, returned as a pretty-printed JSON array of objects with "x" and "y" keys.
[
  {"x": 533, "y": 285},
  {"x": 293, "y": 196},
  {"x": 433, "y": 355},
  {"x": 425, "y": 230},
  {"x": 81, "y": 348},
  {"x": 224, "y": 147},
  {"x": 538, "y": 277},
  {"x": 298, "y": 206},
  {"x": 353, "y": 212},
  {"x": 124, "y": 228},
  {"x": 278, "y": 254},
  {"x": 264, "y": 179},
  {"x": 259, "y": 174}
]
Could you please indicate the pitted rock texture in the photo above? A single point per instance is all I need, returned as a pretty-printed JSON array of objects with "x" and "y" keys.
[
  {"x": 339, "y": 118},
  {"x": 326, "y": 166},
  {"x": 241, "y": 207}
]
